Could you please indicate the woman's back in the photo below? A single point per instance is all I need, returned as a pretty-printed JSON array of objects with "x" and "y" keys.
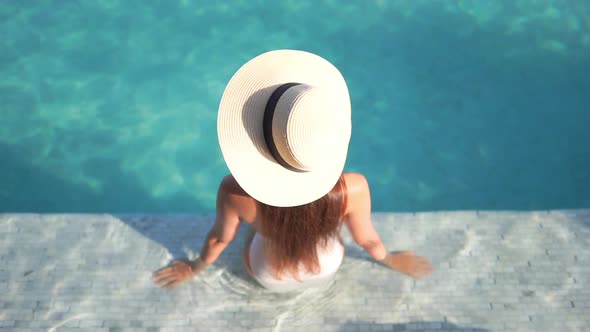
[
  {"x": 261, "y": 258},
  {"x": 294, "y": 247}
]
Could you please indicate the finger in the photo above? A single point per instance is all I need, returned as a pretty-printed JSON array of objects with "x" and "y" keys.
[
  {"x": 425, "y": 261},
  {"x": 165, "y": 268},
  {"x": 173, "y": 284},
  {"x": 175, "y": 264},
  {"x": 165, "y": 279},
  {"x": 427, "y": 265},
  {"x": 164, "y": 273},
  {"x": 163, "y": 282},
  {"x": 424, "y": 265},
  {"x": 420, "y": 259}
]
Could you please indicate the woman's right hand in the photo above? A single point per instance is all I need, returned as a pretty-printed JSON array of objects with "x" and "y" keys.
[{"x": 408, "y": 263}]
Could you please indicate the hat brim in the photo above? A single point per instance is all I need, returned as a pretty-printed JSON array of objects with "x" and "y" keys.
[{"x": 239, "y": 127}]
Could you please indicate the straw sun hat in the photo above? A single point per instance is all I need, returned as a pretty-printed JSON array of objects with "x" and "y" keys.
[{"x": 284, "y": 126}]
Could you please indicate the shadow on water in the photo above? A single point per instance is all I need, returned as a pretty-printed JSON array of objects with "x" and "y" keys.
[
  {"x": 26, "y": 188},
  {"x": 409, "y": 326},
  {"x": 120, "y": 195}
]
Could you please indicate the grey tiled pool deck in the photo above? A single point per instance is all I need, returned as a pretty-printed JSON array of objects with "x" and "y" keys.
[{"x": 494, "y": 271}]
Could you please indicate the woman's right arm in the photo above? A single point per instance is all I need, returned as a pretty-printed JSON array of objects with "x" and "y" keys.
[{"x": 357, "y": 218}]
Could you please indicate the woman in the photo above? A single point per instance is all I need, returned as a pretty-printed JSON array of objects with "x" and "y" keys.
[{"x": 284, "y": 126}]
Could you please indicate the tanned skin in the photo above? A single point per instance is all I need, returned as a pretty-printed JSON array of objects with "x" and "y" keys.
[{"x": 235, "y": 206}]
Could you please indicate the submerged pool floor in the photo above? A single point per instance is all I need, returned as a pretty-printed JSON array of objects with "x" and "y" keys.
[{"x": 495, "y": 271}]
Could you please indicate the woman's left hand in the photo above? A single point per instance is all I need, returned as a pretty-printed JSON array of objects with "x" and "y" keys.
[{"x": 173, "y": 275}]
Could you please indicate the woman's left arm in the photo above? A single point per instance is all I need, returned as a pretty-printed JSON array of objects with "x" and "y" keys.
[{"x": 227, "y": 223}]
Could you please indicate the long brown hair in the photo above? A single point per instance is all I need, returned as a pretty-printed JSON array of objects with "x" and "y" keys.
[{"x": 294, "y": 233}]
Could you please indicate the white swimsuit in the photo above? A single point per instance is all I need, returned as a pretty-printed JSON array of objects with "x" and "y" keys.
[{"x": 330, "y": 259}]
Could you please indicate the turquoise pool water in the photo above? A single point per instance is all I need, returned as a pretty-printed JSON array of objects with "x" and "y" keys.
[{"x": 110, "y": 106}]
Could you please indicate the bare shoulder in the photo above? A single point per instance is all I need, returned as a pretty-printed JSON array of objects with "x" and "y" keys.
[
  {"x": 231, "y": 195},
  {"x": 230, "y": 185},
  {"x": 356, "y": 183},
  {"x": 358, "y": 196}
]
